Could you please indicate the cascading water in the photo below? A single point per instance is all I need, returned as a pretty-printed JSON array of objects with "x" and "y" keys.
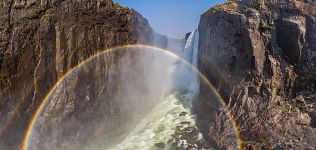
[
  {"x": 186, "y": 80},
  {"x": 190, "y": 53}
]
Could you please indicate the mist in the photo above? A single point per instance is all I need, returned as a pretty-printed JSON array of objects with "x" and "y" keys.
[
  {"x": 122, "y": 95},
  {"x": 101, "y": 101}
]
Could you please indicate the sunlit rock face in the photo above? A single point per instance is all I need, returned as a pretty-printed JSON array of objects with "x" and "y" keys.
[
  {"x": 41, "y": 40},
  {"x": 261, "y": 57}
]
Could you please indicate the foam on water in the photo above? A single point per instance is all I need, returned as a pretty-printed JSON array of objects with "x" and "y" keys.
[{"x": 158, "y": 126}]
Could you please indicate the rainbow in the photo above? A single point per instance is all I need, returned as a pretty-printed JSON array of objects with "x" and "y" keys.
[{"x": 26, "y": 140}]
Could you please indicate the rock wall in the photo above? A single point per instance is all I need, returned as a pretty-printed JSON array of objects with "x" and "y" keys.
[
  {"x": 261, "y": 57},
  {"x": 41, "y": 40},
  {"x": 100, "y": 103}
]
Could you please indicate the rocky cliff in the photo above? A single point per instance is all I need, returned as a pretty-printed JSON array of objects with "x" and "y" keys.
[
  {"x": 261, "y": 56},
  {"x": 41, "y": 40}
]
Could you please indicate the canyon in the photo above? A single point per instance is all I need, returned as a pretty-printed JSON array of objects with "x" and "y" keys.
[{"x": 259, "y": 55}]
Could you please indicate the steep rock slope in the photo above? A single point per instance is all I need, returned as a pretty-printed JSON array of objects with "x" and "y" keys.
[
  {"x": 261, "y": 56},
  {"x": 41, "y": 40}
]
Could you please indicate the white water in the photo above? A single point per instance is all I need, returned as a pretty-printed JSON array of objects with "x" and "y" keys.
[
  {"x": 190, "y": 53},
  {"x": 158, "y": 126},
  {"x": 186, "y": 78}
]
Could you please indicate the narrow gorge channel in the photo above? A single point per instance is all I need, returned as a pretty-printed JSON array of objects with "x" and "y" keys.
[
  {"x": 95, "y": 75},
  {"x": 149, "y": 105}
]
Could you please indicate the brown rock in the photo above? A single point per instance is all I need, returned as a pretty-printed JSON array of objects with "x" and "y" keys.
[
  {"x": 303, "y": 119},
  {"x": 258, "y": 57},
  {"x": 41, "y": 40}
]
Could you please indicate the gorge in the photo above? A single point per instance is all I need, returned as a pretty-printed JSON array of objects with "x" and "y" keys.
[{"x": 91, "y": 74}]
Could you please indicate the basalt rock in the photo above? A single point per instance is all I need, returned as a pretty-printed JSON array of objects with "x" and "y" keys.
[
  {"x": 260, "y": 55},
  {"x": 41, "y": 40}
]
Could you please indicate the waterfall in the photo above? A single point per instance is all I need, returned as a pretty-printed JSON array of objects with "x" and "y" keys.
[
  {"x": 184, "y": 79},
  {"x": 190, "y": 54}
]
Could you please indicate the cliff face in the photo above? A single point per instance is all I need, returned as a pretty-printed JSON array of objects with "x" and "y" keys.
[
  {"x": 41, "y": 40},
  {"x": 261, "y": 57},
  {"x": 100, "y": 103}
]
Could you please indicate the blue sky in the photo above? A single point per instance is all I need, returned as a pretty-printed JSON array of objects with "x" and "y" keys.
[{"x": 171, "y": 17}]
